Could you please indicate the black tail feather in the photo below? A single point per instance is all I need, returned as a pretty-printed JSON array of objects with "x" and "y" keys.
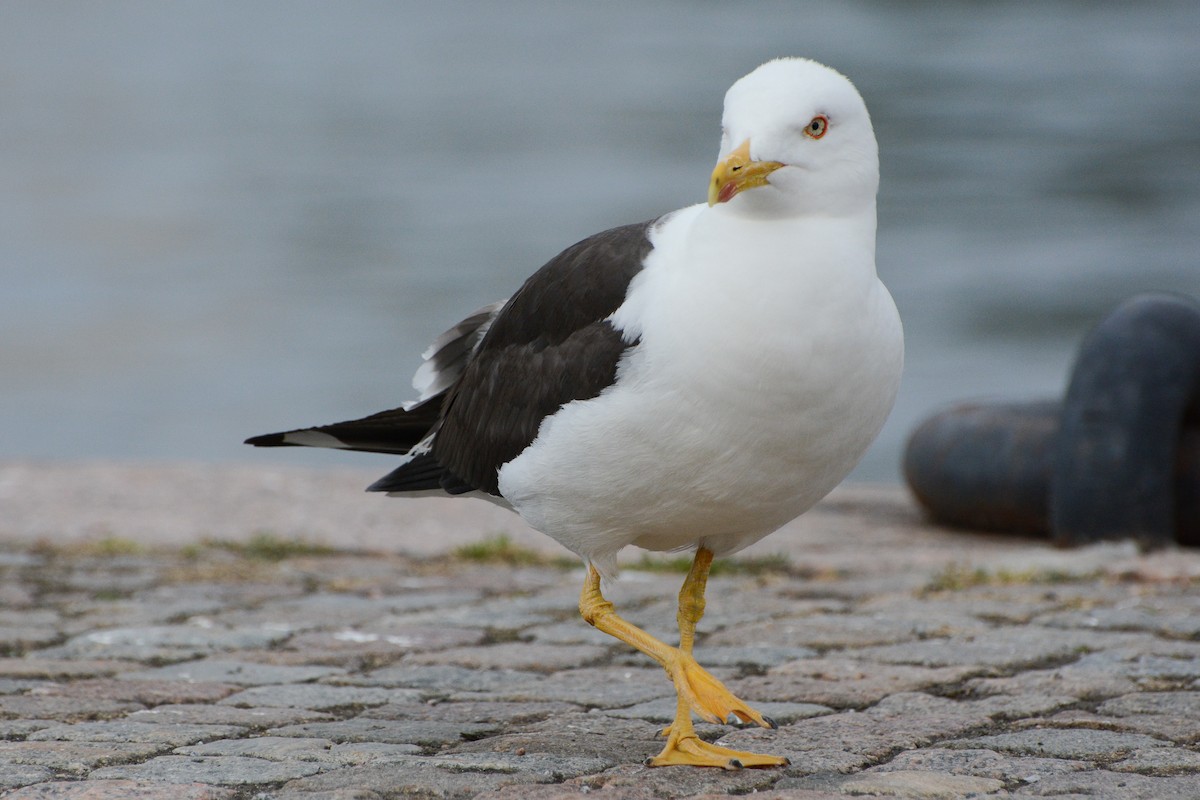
[{"x": 394, "y": 431}]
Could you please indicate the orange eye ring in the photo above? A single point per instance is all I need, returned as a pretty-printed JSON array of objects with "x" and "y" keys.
[{"x": 816, "y": 127}]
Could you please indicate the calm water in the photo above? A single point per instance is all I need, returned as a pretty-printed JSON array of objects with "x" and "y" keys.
[{"x": 221, "y": 219}]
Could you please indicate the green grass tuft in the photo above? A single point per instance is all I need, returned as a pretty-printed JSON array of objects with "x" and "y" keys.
[
  {"x": 957, "y": 577},
  {"x": 501, "y": 549},
  {"x": 264, "y": 546}
]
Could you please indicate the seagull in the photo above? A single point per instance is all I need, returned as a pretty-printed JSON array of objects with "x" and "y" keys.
[{"x": 692, "y": 382}]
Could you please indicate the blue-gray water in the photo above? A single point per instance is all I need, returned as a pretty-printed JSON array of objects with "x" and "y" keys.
[{"x": 219, "y": 219}]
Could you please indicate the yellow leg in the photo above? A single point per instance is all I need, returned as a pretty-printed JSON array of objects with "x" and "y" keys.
[{"x": 697, "y": 690}]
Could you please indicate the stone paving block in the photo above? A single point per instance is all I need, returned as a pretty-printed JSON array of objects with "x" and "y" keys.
[
  {"x": 1106, "y": 785},
  {"x": 495, "y": 615},
  {"x": 381, "y": 641},
  {"x": 362, "y": 753},
  {"x": 219, "y": 770},
  {"x": 572, "y": 631},
  {"x": 250, "y": 718},
  {"x": 435, "y": 597},
  {"x": 902, "y": 721},
  {"x": 426, "y": 733},
  {"x": 90, "y": 577},
  {"x": 824, "y": 764},
  {"x": 1172, "y": 624},
  {"x": 561, "y": 598},
  {"x": 512, "y": 581},
  {"x": 21, "y": 685},
  {"x": 1086, "y": 682},
  {"x": 1173, "y": 715},
  {"x": 843, "y": 682},
  {"x": 22, "y": 638},
  {"x": 1153, "y": 671},
  {"x": 663, "y": 711},
  {"x": 59, "y": 668},
  {"x": 163, "y": 642},
  {"x": 332, "y": 794},
  {"x": 571, "y": 789},
  {"x": 279, "y": 657},
  {"x": 442, "y": 680},
  {"x": 272, "y": 748},
  {"x": 1160, "y": 761},
  {"x": 424, "y": 781},
  {"x": 126, "y": 731},
  {"x": 41, "y": 706},
  {"x": 119, "y": 790},
  {"x": 754, "y": 657},
  {"x": 319, "y": 696},
  {"x": 1005, "y": 648},
  {"x": 146, "y": 692},
  {"x": 20, "y": 728},
  {"x": 16, "y": 595},
  {"x": 980, "y": 762},
  {"x": 1017, "y": 707},
  {"x": 921, "y": 785},
  {"x": 241, "y": 673},
  {"x": 455, "y": 775},
  {"x": 860, "y": 586},
  {"x": 527, "y": 656},
  {"x": 341, "y": 610},
  {"x": 1070, "y": 743},
  {"x": 1169, "y": 703},
  {"x": 856, "y": 629},
  {"x": 1179, "y": 728},
  {"x": 993, "y": 604},
  {"x": 736, "y": 599},
  {"x": 786, "y": 794},
  {"x": 321, "y": 751},
  {"x": 14, "y": 775},
  {"x": 20, "y": 558},
  {"x": 594, "y": 735},
  {"x": 476, "y": 711},
  {"x": 1183, "y": 730},
  {"x": 145, "y": 608},
  {"x": 593, "y": 687},
  {"x": 74, "y": 756},
  {"x": 543, "y": 766},
  {"x": 675, "y": 783}
]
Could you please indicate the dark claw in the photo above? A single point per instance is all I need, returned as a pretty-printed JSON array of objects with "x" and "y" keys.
[
  {"x": 772, "y": 724},
  {"x": 649, "y": 762},
  {"x": 787, "y": 762},
  {"x": 734, "y": 764}
]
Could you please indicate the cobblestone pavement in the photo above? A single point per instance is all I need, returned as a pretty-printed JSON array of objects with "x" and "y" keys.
[{"x": 900, "y": 660}]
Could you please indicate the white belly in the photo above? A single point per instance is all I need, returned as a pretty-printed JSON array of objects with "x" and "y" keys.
[{"x": 736, "y": 412}]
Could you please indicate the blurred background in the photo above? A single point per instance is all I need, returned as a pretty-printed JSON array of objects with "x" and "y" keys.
[{"x": 220, "y": 219}]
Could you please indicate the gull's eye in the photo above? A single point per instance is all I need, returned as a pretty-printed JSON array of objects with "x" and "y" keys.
[{"x": 816, "y": 128}]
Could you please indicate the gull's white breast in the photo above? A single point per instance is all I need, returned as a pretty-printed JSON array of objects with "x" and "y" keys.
[{"x": 768, "y": 357}]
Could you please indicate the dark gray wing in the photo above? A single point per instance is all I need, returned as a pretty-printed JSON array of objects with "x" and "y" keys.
[
  {"x": 488, "y": 382},
  {"x": 550, "y": 344}
]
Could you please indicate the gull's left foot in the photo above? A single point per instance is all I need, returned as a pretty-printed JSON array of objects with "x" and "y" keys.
[
  {"x": 688, "y": 750},
  {"x": 708, "y": 697}
]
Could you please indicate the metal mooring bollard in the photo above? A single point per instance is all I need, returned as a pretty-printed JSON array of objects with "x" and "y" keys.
[{"x": 1118, "y": 458}]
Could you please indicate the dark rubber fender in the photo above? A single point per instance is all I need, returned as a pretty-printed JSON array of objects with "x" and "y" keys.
[
  {"x": 1118, "y": 458},
  {"x": 985, "y": 465},
  {"x": 1134, "y": 390}
]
